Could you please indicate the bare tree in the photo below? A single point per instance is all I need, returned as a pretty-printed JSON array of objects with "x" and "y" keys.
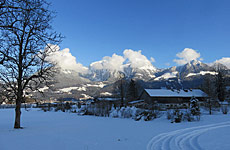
[
  {"x": 209, "y": 87},
  {"x": 25, "y": 31},
  {"x": 120, "y": 88}
]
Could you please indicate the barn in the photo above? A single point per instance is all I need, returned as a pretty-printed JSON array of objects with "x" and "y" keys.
[{"x": 172, "y": 97}]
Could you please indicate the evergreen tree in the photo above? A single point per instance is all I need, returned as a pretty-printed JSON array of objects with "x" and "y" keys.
[
  {"x": 220, "y": 86},
  {"x": 194, "y": 107},
  {"x": 131, "y": 91}
]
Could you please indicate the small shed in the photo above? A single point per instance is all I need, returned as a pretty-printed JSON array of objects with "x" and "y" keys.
[
  {"x": 138, "y": 103},
  {"x": 166, "y": 96}
]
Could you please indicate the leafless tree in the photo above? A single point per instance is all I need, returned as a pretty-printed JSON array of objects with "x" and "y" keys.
[
  {"x": 209, "y": 88},
  {"x": 120, "y": 88},
  {"x": 25, "y": 38}
]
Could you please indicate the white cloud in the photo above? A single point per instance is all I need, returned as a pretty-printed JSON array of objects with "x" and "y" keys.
[
  {"x": 137, "y": 60},
  {"x": 167, "y": 64},
  {"x": 186, "y": 56},
  {"x": 225, "y": 61},
  {"x": 110, "y": 63},
  {"x": 152, "y": 60},
  {"x": 65, "y": 60},
  {"x": 116, "y": 62}
]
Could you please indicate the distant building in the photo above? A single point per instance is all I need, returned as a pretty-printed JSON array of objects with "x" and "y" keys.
[
  {"x": 171, "y": 97},
  {"x": 227, "y": 92}
]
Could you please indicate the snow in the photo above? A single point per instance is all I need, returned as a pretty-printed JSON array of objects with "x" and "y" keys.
[
  {"x": 106, "y": 94},
  {"x": 67, "y": 131},
  {"x": 152, "y": 76},
  {"x": 224, "y": 103},
  {"x": 108, "y": 99},
  {"x": 148, "y": 68},
  {"x": 100, "y": 85},
  {"x": 72, "y": 88},
  {"x": 85, "y": 97},
  {"x": 202, "y": 73},
  {"x": 186, "y": 138},
  {"x": 44, "y": 89},
  {"x": 66, "y": 71},
  {"x": 83, "y": 88},
  {"x": 175, "y": 93},
  {"x": 167, "y": 75},
  {"x": 134, "y": 102}
]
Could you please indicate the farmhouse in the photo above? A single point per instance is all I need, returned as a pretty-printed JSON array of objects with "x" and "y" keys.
[{"x": 170, "y": 97}]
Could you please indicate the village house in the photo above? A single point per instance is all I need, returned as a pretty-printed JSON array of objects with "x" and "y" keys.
[{"x": 172, "y": 98}]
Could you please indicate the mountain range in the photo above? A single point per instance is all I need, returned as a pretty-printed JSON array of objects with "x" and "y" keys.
[{"x": 100, "y": 82}]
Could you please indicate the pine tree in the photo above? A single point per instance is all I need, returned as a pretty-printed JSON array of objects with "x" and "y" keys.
[
  {"x": 194, "y": 107},
  {"x": 131, "y": 91},
  {"x": 220, "y": 85}
]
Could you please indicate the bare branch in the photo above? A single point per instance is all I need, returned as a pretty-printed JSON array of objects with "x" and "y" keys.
[{"x": 25, "y": 30}]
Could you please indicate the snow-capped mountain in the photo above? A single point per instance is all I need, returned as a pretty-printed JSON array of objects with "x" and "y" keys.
[
  {"x": 192, "y": 67},
  {"x": 147, "y": 73},
  {"x": 217, "y": 66},
  {"x": 103, "y": 75},
  {"x": 65, "y": 78},
  {"x": 144, "y": 73},
  {"x": 98, "y": 82}
]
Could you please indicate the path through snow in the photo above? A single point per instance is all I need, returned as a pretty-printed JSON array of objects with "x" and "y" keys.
[{"x": 184, "y": 139}]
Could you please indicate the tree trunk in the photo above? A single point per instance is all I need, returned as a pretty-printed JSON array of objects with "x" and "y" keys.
[
  {"x": 17, "y": 124},
  {"x": 122, "y": 94},
  {"x": 210, "y": 109}
]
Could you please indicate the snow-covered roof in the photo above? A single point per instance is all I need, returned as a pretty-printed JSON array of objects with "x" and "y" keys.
[
  {"x": 224, "y": 103},
  {"x": 134, "y": 102},
  {"x": 175, "y": 93},
  {"x": 227, "y": 87},
  {"x": 107, "y": 99}
]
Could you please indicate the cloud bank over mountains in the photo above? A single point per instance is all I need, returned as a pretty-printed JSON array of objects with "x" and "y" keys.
[
  {"x": 109, "y": 63},
  {"x": 225, "y": 61},
  {"x": 130, "y": 57},
  {"x": 135, "y": 59},
  {"x": 186, "y": 56},
  {"x": 65, "y": 60}
]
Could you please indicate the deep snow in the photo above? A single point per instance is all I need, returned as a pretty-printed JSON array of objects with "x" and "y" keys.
[{"x": 67, "y": 131}]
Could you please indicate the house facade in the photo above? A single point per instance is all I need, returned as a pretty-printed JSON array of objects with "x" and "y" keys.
[{"x": 172, "y": 98}]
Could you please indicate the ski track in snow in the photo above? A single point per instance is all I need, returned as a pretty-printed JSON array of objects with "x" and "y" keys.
[{"x": 183, "y": 139}]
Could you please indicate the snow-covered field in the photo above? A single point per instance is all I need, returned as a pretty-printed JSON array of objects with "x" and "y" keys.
[{"x": 67, "y": 131}]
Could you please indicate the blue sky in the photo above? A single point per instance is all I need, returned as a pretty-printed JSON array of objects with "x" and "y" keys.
[{"x": 160, "y": 28}]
